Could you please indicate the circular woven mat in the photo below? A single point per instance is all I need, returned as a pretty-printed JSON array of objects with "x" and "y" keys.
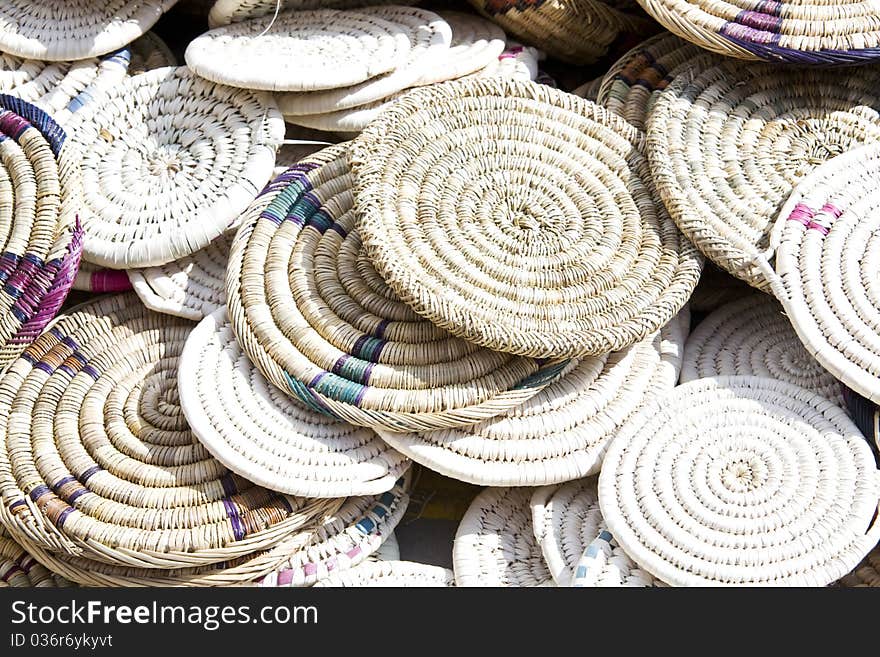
[
  {"x": 429, "y": 36},
  {"x": 752, "y": 336},
  {"x": 346, "y": 538},
  {"x": 40, "y": 237},
  {"x": 97, "y": 459},
  {"x": 742, "y": 481},
  {"x": 516, "y": 62},
  {"x": 495, "y": 543},
  {"x": 728, "y": 141},
  {"x": 309, "y": 310},
  {"x": 519, "y": 217},
  {"x": 18, "y": 569},
  {"x": 88, "y": 90},
  {"x": 169, "y": 162},
  {"x": 395, "y": 574},
  {"x": 224, "y": 12},
  {"x": 92, "y": 278},
  {"x": 567, "y": 523},
  {"x": 476, "y": 43},
  {"x": 561, "y": 433},
  {"x": 302, "y": 51},
  {"x": 150, "y": 52},
  {"x": 813, "y": 32},
  {"x": 260, "y": 433},
  {"x": 867, "y": 574},
  {"x": 59, "y": 30}
]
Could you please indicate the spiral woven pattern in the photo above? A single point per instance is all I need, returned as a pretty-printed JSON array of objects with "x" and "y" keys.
[
  {"x": 395, "y": 574},
  {"x": 561, "y": 433},
  {"x": 92, "y": 278},
  {"x": 728, "y": 141},
  {"x": 303, "y": 51},
  {"x": 97, "y": 460},
  {"x": 18, "y": 569},
  {"x": 814, "y": 32},
  {"x": 742, "y": 481},
  {"x": 519, "y": 217},
  {"x": 260, "y": 433},
  {"x": 59, "y": 30},
  {"x": 309, "y": 310},
  {"x": 567, "y": 523},
  {"x": 495, "y": 544},
  {"x": 169, "y": 162}
]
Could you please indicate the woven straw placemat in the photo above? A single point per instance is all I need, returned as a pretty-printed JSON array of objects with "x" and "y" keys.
[
  {"x": 59, "y": 30},
  {"x": 18, "y": 569},
  {"x": 310, "y": 311},
  {"x": 519, "y": 217},
  {"x": 92, "y": 278},
  {"x": 169, "y": 162},
  {"x": 300, "y": 50},
  {"x": 97, "y": 460},
  {"x": 742, "y": 481},
  {"x": 476, "y": 43},
  {"x": 729, "y": 140},
  {"x": 394, "y": 574},
  {"x": 811, "y": 32},
  {"x": 561, "y": 433},
  {"x": 260, "y": 433}
]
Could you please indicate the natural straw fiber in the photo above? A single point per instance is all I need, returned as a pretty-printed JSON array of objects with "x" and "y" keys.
[
  {"x": 495, "y": 543},
  {"x": 813, "y": 32},
  {"x": 575, "y": 31},
  {"x": 58, "y": 30},
  {"x": 309, "y": 310},
  {"x": 632, "y": 84},
  {"x": 752, "y": 336},
  {"x": 429, "y": 36},
  {"x": 150, "y": 52},
  {"x": 18, "y": 569},
  {"x": 98, "y": 462},
  {"x": 866, "y": 574},
  {"x": 826, "y": 243},
  {"x": 567, "y": 523},
  {"x": 519, "y": 217},
  {"x": 224, "y": 12},
  {"x": 40, "y": 237},
  {"x": 345, "y": 539},
  {"x": 91, "y": 278},
  {"x": 729, "y": 140},
  {"x": 191, "y": 287},
  {"x": 302, "y": 51},
  {"x": 169, "y": 162},
  {"x": 742, "y": 481},
  {"x": 561, "y": 433},
  {"x": 476, "y": 43},
  {"x": 258, "y": 432},
  {"x": 516, "y": 62},
  {"x": 395, "y": 574}
]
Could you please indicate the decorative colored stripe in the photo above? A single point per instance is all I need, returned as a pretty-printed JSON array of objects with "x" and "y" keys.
[
  {"x": 238, "y": 530},
  {"x": 89, "y": 473},
  {"x": 759, "y": 20}
]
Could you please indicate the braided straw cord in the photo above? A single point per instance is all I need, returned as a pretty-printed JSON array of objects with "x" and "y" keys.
[
  {"x": 169, "y": 162},
  {"x": 728, "y": 141},
  {"x": 97, "y": 459},
  {"x": 519, "y": 217},
  {"x": 741, "y": 481},
  {"x": 309, "y": 310},
  {"x": 393, "y": 574},
  {"x": 59, "y": 30},
  {"x": 753, "y": 337},
  {"x": 260, "y": 433},
  {"x": 812, "y": 32},
  {"x": 150, "y": 52},
  {"x": 866, "y": 574},
  {"x": 495, "y": 543},
  {"x": 303, "y": 50},
  {"x": 18, "y": 569},
  {"x": 568, "y": 526},
  {"x": 429, "y": 36},
  {"x": 476, "y": 43},
  {"x": 345, "y": 539},
  {"x": 224, "y": 12},
  {"x": 92, "y": 278},
  {"x": 561, "y": 433}
]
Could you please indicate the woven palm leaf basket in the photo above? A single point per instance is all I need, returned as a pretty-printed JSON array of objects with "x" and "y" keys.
[
  {"x": 813, "y": 32},
  {"x": 728, "y": 141},
  {"x": 575, "y": 542},
  {"x": 346, "y": 539},
  {"x": 742, "y": 480},
  {"x": 18, "y": 569},
  {"x": 301, "y": 50},
  {"x": 41, "y": 238},
  {"x": 544, "y": 238},
  {"x": 561, "y": 433},
  {"x": 98, "y": 463},
  {"x": 260, "y": 433},
  {"x": 575, "y": 31},
  {"x": 311, "y": 313},
  {"x": 150, "y": 52},
  {"x": 752, "y": 336},
  {"x": 92, "y": 278},
  {"x": 169, "y": 162},
  {"x": 827, "y": 245},
  {"x": 59, "y": 30},
  {"x": 495, "y": 544},
  {"x": 224, "y": 12},
  {"x": 395, "y": 574}
]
